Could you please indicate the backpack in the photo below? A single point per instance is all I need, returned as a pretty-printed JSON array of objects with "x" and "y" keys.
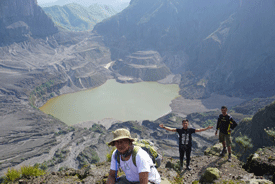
[
  {"x": 232, "y": 123},
  {"x": 146, "y": 146}
]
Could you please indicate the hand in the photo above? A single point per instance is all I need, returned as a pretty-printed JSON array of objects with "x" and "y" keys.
[
  {"x": 209, "y": 127},
  {"x": 161, "y": 126},
  {"x": 229, "y": 131},
  {"x": 216, "y": 133}
]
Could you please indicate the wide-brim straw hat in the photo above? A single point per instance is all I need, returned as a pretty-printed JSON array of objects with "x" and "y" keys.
[{"x": 121, "y": 134}]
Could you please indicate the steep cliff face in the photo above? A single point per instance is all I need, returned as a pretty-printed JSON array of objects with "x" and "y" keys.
[
  {"x": 217, "y": 42},
  {"x": 164, "y": 25},
  {"x": 20, "y": 19},
  {"x": 254, "y": 129},
  {"x": 240, "y": 52}
]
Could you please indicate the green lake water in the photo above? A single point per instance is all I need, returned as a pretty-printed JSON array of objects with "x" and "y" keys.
[{"x": 138, "y": 101}]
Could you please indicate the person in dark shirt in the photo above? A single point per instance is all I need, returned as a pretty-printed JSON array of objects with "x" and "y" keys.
[
  {"x": 225, "y": 124},
  {"x": 185, "y": 140}
]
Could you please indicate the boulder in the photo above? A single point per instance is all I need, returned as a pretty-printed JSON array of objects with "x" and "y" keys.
[
  {"x": 210, "y": 175},
  {"x": 261, "y": 162},
  {"x": 169, "y": 165},
  {"x": 214, "y": 150}
]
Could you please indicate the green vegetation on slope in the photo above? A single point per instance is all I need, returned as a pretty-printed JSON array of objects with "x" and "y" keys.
[
  {"x": 74, "y": 17},
  {"x": 44, "y": 91},
  {"x": 24, "y": 172},
  {"x": 88, "y": 156},
  {"x": 271, "y": 133},
  {"x": 244, "y": 142}
]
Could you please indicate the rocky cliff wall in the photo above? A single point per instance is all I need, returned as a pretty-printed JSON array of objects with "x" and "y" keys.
[
  {"x": 240, "y": 52},
  {"x": 21, "y": 19},
  {"x": 218, "y": 42}
]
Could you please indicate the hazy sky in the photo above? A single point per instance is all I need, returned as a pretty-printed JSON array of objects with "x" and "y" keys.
[{"x": 95, "y": 1}]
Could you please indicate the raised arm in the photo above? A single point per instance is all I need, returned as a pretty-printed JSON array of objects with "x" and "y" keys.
[
  {"x": 111, "y": 177},
  {"x": 203, "y": 129},
  {"x": 168, "y": 128}
]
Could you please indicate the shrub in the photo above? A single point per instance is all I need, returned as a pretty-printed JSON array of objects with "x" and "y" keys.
[
  {"x": 42, "y": 166},
  {"x": 95, "y": 158},
  {"x": 28, "y": 171},
  {"x": 12, "y": 175},
  {"x": 178, "y": 179},
  {"x": 210, "y": 122},
  {"x": 271, "y": 133},
  {"x": 97, "y": 128},
  {"x": 109, "y": 155},
  {"x": 244, "y": 142},
  {"x": 24, "y": 172},
  {"x": 62, "y": 168}
]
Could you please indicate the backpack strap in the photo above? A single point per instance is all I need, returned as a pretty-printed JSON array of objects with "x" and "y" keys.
[
  {"x": 134, "y": 154},
  {"x": 117, "y": 156}
]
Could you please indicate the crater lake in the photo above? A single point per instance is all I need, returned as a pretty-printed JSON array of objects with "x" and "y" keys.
[{"x": 124, "y": 102}]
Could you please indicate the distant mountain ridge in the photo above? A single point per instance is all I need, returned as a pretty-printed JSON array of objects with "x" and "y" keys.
[
  {"x": 26, "y": 20},
  {"x": 118, "y": 5},
  {"x": 74, "y": 17},
  {"x": 217, "y": 46}
]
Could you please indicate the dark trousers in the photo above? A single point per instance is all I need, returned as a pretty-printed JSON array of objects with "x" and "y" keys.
[{"x": 185, "y": 149}]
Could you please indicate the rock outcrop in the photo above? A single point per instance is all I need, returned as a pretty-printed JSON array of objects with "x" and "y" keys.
[
  {"x": 254, "y": 129},
  {"x": 210, "y": 175},
  {"x": 145, "y": 65},
  {"x": 21, "y": 19},
  {"x": 262, "y": 162}
]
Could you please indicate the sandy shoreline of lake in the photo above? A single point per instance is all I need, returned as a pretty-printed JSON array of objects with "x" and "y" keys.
[{"x": 183, "y": 107}]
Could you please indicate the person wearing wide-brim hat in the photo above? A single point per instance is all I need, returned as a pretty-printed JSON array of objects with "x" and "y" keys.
[
  {"x": 143, "y": 172},
  {"x": 120, "y": 134}
]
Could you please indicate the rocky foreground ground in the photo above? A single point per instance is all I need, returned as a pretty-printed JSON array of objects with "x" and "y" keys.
[{"x": 209, "y": 168}]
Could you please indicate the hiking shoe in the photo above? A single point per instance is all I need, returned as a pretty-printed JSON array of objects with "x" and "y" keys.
[
  {"x": 188, "y": 168},
  {"x": 229, "y": 158}
]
